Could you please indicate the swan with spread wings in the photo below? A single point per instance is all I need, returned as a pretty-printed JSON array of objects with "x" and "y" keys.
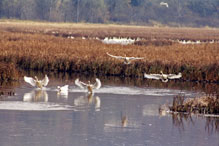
[
  {"x": 127, "y": 60},
  {"x": 163, "y": 77},
  {"x": 88, "y": 85},
  {"x": 36, "y": 82}
]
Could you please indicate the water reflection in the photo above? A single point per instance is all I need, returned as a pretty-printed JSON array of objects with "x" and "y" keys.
[
  {"x": 36, "y": 96},
  {"x": 181, "y": 120},
  {"x": 87, "y": 100}
]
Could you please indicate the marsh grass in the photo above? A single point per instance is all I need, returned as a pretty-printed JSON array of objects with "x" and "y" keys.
[
  {"x": 8, "y": 72},
  {"x": 202, "y": 105},
  {"x": 45, "y": 47}
]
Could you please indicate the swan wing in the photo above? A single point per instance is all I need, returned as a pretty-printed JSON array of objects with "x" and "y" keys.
[
  {"x": 153, "y": 76},
  {"x": 80, "y": 84},
  {"x": 30, "y": 80},
  {"x": 64, "y": 88},
  {"x": 117, "y": 57},
  {"x": 45, "y": 81},
  {"x": 97, "y": 85},
  {"x": 135, "y": 58},
  {"x": 174, "y": 76}
]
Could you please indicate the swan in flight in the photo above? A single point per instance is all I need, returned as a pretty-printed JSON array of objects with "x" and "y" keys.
[
  {"x": 163, "y": 77},
  {"x": 127, "y": 60},
  {"x": 164, "y": 4},
  {"x": 35, "y": 82},
  {"x": 89, "y": 86}
]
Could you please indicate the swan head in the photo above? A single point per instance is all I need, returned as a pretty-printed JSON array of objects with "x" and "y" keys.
[
  {"x": 58, "y": 87},
  {"x": 36, "y": 78},
  {"x": 161, "y": 72}
]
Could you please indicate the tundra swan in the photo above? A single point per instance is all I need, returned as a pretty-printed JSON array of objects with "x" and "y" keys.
[
  {"x": 127, "y": 60},
  {"x": 89, "y": 86},
  {"x": 63, "y": 90},
  {"x": 163, "y": 77},
  {"x": 35, "y": 82},
  {"x": 164, "y": 4}
]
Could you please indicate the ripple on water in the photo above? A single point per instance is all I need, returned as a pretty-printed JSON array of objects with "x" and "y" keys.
[{"x": 32, "y": 106}]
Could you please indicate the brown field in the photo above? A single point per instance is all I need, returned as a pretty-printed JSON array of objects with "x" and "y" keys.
[{"x": 45, "y": 47}]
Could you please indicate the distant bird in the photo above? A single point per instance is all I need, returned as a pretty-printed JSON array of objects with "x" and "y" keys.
[
  {"x": 63, "y": 90},
  {"x": 163, "y": 77},
  {"x": 89, "y": 86},
  {"x": 124, "y": 120},
  {"x": 164, "y": 4},
  {"x": 127, "y": 60},
  {"x": 35, "y": 82}
]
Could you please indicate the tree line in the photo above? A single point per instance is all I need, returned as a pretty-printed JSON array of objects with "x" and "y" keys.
[{"x": 139, "y": 12}]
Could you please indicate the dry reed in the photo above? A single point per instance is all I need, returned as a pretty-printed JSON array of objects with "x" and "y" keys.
[
  {"x": 36, "y": 47},
  {"x": 203, "y": 105}
]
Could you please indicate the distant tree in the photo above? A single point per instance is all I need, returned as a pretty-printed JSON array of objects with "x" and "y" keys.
[
  {"x": 204, "y": 8},
  {"x": 94, "y": 11},
  {"x": 43, "y": 9}
]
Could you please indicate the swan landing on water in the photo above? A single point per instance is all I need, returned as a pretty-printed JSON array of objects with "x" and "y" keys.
[
  {"x": 37, "y": 83},
  {"x": 163, "y": 77},
  {"x": 62, "y": 90},
  {"x": 89, "y": 86},
  {"x": 127, "y": 60}
]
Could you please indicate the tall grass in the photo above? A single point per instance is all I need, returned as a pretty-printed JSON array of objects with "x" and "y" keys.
[
  {"x": 204, "y": 105},
  {"x": 44, "y": 52},
  {"x": 8, "y": 72}
]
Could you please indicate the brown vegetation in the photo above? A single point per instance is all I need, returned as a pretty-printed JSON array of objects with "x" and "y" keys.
[
  {"x": 8, "y": 72},
  {"x": 45, "y": 47},
  {"x": 204, "y": 105}
]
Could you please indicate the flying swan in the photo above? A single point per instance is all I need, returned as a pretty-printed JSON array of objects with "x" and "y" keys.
[
  {"x": 164, "y": 4},
  {"x": 37, "y": 83},
  {"x": 163, "y": 77},
  {"x": 89, "y": 86},
  {"x": 127, "y": 60}
]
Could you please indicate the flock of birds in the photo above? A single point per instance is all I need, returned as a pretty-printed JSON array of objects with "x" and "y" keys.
[{"x": 90, "y": 87}]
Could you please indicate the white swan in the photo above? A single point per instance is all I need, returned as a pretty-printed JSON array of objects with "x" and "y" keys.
[
  {"x": 89, "y": 86},
  {"x": 127, "y": 60},
  {"x": 164, "y": 4},
  {"x": 63, "y": 90},
  {"x": 35, "y": 82},
  {"x": 163, "y": 77}
]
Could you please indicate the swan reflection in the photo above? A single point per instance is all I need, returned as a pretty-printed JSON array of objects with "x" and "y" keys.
[
  {"x": 36, "y": 96},
  {"x": 87, "y": 100}
]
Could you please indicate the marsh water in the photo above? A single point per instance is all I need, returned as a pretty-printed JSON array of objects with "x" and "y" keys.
[{"x": 122, "y": 112}]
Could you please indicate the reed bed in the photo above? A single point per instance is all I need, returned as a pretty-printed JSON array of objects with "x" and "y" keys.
[
  {"x": 8, "y": 72},
  {"x": 202, "y": 105},
  {"x": 110, "y": 30},
  {"x": 56, "y": 53}
]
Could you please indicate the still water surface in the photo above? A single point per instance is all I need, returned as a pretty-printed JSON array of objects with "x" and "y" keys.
[{"x": 116, "y": 115}]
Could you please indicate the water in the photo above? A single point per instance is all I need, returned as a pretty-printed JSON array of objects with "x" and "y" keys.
[{"x": 116, "y": 115}]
